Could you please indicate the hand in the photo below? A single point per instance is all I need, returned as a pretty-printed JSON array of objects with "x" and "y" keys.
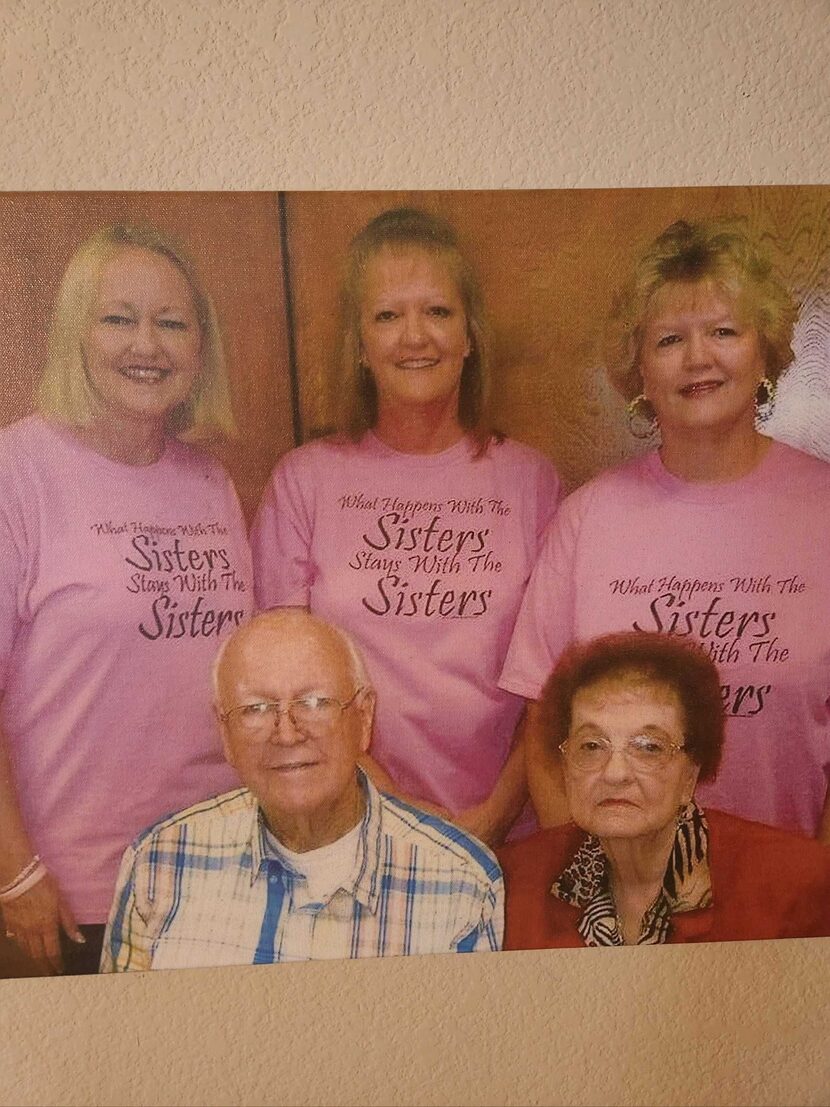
[{"x": 34, "y": 920}]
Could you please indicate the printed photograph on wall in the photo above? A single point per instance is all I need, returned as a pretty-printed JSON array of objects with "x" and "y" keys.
[{"x": 393, "y": 573}]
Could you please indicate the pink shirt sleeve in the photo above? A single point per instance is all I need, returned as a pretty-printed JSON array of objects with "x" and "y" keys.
[
  {"x": 14, "y": 566},
  {"x": 281, "y": 539},
  {"x": 549, "y": 499},
  {"x": 545, "y": 624}
]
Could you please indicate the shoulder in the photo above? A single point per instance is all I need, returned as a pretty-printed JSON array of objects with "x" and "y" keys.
[
  {"x": 730, "y": 828},
  {"x": 508, "y": 450},
  {"x": 765, "y": 853},
  {"x": 31, "y": 436},
  {"x": 219, "y": 818},
  {"x": 541, "y": 857},
  {"x": 324, "y": 450},
  {"x": 633, "y": 475},
  {"x": 32, "y": 428},
  {"x": 619, "y": 488},
  {"x": 36, "y": 456},
  {"x": 447, "y": 844},
  {"x": 534, "y": 473},
  {"x": 191, "y": 459},
  {"x": 318, "y": 457},
  {"x": 799, "y": 469}
]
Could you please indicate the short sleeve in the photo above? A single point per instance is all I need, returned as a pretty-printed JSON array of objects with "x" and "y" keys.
[
  {"x": 488, "y": 933},
  {"x": 545, "y": 624},
  {"x": 16, "y": 565},
  {"x": 127, "y": 942},
  {"x": 281, "y": 538},
  {"x": 549, "y": 496}
]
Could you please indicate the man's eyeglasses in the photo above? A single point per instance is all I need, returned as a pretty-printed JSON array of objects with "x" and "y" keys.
[{"x": 311, "y": 714}]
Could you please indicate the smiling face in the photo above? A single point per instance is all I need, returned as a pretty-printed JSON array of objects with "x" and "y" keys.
[
  {"x": 619, "y": 801},
  {"x": 701, "y": 361},
  {"x": 305, "y": 782},
  {"x": 142, "y": 348},
  {"x": 413, "y": 330}
]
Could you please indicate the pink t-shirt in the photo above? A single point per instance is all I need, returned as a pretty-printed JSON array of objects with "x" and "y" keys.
[
  {"x": 117, "y": 584},
  {"x": 743, "y": 568},
  {"x": 423, "y": 559}
]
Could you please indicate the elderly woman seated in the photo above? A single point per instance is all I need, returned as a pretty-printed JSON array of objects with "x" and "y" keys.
[{"x": 637, "y": 721}]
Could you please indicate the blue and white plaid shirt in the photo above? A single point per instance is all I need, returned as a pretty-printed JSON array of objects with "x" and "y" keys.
[{"x": 199, "y": 888}]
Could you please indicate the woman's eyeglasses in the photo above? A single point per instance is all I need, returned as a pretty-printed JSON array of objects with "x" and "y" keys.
[{"x": 645, "y": 752}]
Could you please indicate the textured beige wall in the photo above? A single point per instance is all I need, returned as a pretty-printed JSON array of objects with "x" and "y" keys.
[{"x": 431, "y": 94}]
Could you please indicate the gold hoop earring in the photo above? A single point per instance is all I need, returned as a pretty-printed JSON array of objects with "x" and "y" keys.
[
  {"x": 642, "y": 418},
  {"x": 764, "y": 399}
]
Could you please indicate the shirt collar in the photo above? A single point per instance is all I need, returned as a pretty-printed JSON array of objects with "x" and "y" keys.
[
  {"x": 363, "y": 884},
  {"x": 687, "y": 884}
]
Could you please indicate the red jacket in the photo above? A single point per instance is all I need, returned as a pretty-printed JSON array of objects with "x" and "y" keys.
[{"x": 766, "y": 883}]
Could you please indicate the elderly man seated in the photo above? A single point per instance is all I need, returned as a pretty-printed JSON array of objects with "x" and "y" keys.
[{"x": 308, "y": 860}]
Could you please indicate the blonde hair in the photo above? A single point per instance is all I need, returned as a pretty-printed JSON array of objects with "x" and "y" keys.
[
  {"x": 65, "y": 392},
  {"x": 402, "y": 229},
  {"x": 722, "y": 252}
]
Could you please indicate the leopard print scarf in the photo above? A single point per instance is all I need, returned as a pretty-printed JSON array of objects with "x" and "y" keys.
[{"x": 687, "y": 885}]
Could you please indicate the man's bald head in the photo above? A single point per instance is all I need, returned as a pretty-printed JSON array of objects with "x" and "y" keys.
[{"x": 276, "y": 629}]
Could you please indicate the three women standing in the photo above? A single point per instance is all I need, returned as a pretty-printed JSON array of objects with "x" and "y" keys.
[
  {"x": 416, "y": 527},
  {"x": 124, "y": 563}
]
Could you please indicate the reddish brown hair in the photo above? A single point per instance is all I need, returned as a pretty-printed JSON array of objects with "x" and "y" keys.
[{"x": 680, "y": 666}]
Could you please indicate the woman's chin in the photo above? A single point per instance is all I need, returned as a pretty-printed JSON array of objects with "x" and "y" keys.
[{"x": 619, "y": 820}]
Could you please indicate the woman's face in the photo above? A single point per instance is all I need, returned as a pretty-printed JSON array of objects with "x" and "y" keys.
[
  {"x": 700, "y": 360},
  {"x": 621, "y": 800},
  {"x": 413, "y": 330},
  {"x": 142, "y": 350}
]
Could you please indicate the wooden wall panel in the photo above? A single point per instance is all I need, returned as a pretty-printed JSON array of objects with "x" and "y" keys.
[
  {"x": 234, "y": 238},
  {"x": 549, "y": 262}
]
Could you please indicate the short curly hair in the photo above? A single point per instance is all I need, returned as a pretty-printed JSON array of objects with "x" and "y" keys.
[
  {"x": 682, "y": 667},
  {"x": 402, "y": 229},
  {"x": 718, "y": 251}
]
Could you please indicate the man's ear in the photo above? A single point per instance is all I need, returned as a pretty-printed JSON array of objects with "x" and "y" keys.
[
  {"x": 223, "y": 732},
  {"x": 367, "y": 715}
]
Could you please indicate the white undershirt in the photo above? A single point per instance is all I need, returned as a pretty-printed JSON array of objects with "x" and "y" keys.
[{"x": 325, "y": 869}]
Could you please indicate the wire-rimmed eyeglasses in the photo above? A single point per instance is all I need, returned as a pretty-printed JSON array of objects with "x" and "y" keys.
[
  {"x": 311, "y": 714},
  {"x": 647, "y": 753}
]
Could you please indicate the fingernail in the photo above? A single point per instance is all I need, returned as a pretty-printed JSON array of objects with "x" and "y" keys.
[{"x": 79, "y": 939}]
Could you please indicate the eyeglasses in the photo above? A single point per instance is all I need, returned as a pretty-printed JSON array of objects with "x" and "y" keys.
[
  {"x": 645, "y": 752},
  {"x": 310, "y": 714}
]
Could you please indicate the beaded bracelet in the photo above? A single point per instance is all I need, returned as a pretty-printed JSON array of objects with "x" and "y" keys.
[{"x": 24, "y": 874}]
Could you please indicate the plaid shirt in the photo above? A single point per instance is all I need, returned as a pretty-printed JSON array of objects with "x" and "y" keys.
[{"x": 199, "y": 888}]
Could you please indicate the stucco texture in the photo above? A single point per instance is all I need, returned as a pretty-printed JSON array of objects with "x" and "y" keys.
[{"x": 425, "y": 94}]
